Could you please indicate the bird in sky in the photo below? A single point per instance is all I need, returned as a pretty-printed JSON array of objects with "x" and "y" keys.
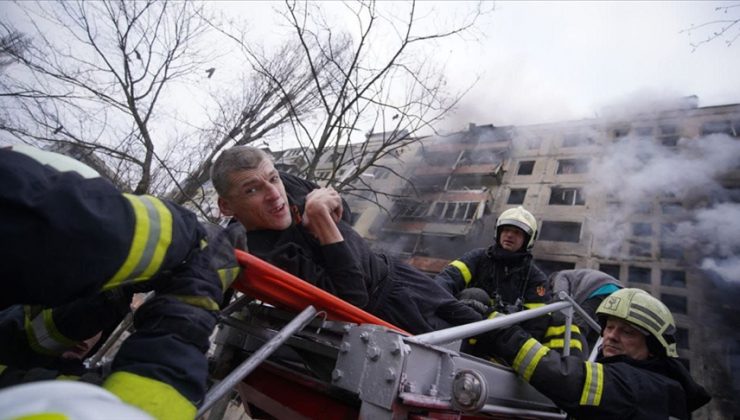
[{"x": 210, "y": 71}]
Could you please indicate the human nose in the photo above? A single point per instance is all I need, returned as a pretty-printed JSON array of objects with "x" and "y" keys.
[
  {"x": 273, "y": 193},
  {"x": 609, "y": 334}
]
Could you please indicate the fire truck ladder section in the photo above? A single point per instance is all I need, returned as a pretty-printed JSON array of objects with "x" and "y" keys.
[{"x": 313, "y": 366}]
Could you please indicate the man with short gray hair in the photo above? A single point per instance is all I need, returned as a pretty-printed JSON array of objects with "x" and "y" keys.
[{"x": 304, "y": 230}]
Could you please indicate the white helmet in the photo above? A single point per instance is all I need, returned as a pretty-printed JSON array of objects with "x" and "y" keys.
[
  {"x": 518, "y": 217},
  {"x": 65, "y": 399}
]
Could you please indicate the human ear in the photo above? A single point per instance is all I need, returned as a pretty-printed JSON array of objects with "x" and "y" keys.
[{"x": 225, "y": 207}]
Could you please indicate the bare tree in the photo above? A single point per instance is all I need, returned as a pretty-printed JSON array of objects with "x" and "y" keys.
[
  {"x": 374, "y": 74},
  {"x": 94, "y": 75},
  {"x": 12, "y": 44},
  {"x": 726, "y": 27},
  {"x": 277, "y": 89},
  {"x": 100, "y": 83}
]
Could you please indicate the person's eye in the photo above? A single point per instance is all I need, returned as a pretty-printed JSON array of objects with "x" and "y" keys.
[
  {"x": 275, "y": 179},
  {"x": 250, "y": 191}
]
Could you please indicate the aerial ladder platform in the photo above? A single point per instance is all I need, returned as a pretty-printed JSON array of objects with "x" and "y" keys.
[{"x": 336, "y": 361}]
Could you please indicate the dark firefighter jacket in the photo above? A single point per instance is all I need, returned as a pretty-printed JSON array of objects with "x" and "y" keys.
[
  {"x": 588, "y": 288},
  {"x": 616, "y": 387},
  {"x": 511, "y": 280},
  {"x": 389, "y": 289},
  {"x": 69, "y": 235}
]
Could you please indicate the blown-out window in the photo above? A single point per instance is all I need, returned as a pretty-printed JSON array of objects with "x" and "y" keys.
[
  {"x": 455, "y": 210},
  {"x": 572, "y": 166},
  {"x": 566, "y": 196},
  {"x": 525, "y": 167},
  {"x": 516, "y": 196},
  {"x": 561, "y": 231}
]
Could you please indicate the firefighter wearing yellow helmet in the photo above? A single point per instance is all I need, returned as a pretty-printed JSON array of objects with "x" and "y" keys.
[
  {"x": 502, "y": 277},
  {"x": 643, "y": 313},
  {"x": 637, "y": 375}
]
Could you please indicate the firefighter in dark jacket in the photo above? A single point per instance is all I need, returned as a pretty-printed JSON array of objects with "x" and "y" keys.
[
  {"x": 69, "y": 235},
  {"x": 636, "y": 375},
  {"x": 299, "y": 227},
  {"x": 505, "y": 271},
  {"x": 588, "y": 288}
]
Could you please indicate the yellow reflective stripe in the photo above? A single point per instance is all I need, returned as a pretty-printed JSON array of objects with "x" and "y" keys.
[
  {"x": 152, "y": 237},
  {"x": 157, "y": 398},
  {"x": 528, "y": 357},
  {"x": 43, "y": 416},
  {"x": 560, "y": 330},
  {"x": 227, "y": 276},
  {"x": 198, "y": 301},
  {"x": 559, "y": 343},
  {"x": 531, "y": 305},
  {"x": 67, "y": 378},
  {"x": 593, "y": 385},
  {"x": 43, "y": 336},
  {"x": 2, "y": 368},
  {"x": 464, "y": 270}
]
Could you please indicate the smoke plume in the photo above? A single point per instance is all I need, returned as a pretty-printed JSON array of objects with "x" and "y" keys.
[{"x": 635, "y": 171}]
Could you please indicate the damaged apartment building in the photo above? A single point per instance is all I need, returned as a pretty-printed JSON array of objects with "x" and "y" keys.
[{"x": 615, "y": 194}]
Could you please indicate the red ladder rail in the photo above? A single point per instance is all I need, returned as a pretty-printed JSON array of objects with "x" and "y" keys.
[{"x": 271, "y": 284}]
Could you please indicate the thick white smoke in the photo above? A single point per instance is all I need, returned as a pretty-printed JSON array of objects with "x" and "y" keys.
[{"x": 635, "y": 171}]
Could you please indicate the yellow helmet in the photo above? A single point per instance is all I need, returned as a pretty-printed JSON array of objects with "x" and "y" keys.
[
  {"x": 637, "y": 307},
  {"x": 521, "y": 218}
]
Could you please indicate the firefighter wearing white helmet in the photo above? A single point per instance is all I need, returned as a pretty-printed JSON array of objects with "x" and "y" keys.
[
  {"x": 630, "y": 379},
  {"x": 502, "y": 277},
  {"x": 520, "y": 218}
]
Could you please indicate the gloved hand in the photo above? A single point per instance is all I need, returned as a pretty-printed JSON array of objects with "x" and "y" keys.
[
  {"x": 477, "y": 299},
  {"x": 477, "y": 306}
]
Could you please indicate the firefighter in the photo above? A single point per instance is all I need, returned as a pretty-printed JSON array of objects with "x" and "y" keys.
[
  {"x": 505, "y": 272},
  {"x": 77, "y": 334},
  {"x": 588, "y": 288},
  {"x": 304, "y": 230},
  {"x": 637, "y": 374},
  {"x": 68, "y": 235}
]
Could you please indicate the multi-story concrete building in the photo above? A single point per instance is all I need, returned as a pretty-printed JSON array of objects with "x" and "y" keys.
[
  {"x": 647, "y": 197},
  {"x": 619, "y": 195}
]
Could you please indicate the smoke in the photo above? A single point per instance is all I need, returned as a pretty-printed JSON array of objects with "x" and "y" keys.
[
  {"x": 635, "y": 171},
  {"x": 717, "y": 232}
]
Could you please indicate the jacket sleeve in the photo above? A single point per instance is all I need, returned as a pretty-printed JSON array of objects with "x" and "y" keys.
[
  {"x": 458, "y": 274},
  {"x": 98, "y": 239},
  {"x": 35, "y": 336},
  {"x": 581, "y": 388},
  {"x": 340, "y": 275}
]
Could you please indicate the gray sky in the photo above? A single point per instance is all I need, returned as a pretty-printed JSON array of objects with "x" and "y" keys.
[
  {"x": 548, "y": 61},
  {"x": 553, "y": 60}
]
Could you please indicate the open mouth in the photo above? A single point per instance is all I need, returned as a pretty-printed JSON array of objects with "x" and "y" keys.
[{"x": 279, "y": 209}]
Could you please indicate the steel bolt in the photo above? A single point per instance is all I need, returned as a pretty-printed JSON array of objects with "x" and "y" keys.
[
  {"x": 336, "y": 375},
  {"x": 390, "y": 375},
  {"x": 373, "y": 353},
  {"x": 345, "y": 347},
  {"x": 433, "y": 390},
  {"x": 364, "y": 336}
]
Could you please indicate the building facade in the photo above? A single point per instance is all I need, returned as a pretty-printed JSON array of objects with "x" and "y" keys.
[{"x": 634, "y": 195}]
